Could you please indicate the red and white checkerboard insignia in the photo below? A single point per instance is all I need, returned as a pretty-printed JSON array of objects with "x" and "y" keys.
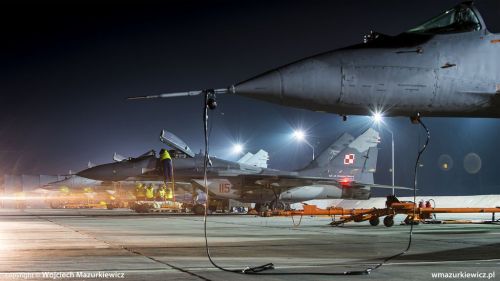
[{"x": 349, "y": 159}]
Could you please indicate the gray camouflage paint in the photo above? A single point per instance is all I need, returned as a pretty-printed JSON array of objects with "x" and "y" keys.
[{"x": 442, "y": 75}]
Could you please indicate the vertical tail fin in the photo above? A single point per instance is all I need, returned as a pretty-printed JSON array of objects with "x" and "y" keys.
[
  {"x": 258, "y": 159},
  {"x": 245, "y": 157},
  {"x": 348, "y": 158},
  {"x": 327, "y": 155}
]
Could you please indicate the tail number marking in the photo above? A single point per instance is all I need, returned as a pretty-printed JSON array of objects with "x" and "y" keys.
[{"x": 224, "y": 187}]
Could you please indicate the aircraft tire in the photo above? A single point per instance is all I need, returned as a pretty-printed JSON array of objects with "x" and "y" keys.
[
  {"x": 374, "y": 221},
  {"x": 389, "y": 221},
  {"x": 258, "y": 207}
]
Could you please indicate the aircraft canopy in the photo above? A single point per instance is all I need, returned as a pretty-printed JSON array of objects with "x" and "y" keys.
[{"x": 462, "y": 18}]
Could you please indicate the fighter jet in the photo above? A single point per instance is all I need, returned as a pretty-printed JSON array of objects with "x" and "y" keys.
[
  {"x": 445, "y": 67},
  {"x": 258, "y": 159},
  {"x": 344, "y": 170}
]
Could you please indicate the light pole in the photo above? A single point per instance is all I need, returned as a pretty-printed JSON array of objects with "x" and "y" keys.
[
  {"x": 299, "y": 135},
  {"x": 377, "y": 117},
  {"x": 392, "y": 154},
  {"x": 311, "y": 146}
]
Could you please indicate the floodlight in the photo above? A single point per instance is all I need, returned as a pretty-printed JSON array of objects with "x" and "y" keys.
[
  {"x": 299, "y": 135},
  {"x": 237, "y": 148}
]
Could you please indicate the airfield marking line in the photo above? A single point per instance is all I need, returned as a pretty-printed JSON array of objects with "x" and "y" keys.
[{"x": 135, "y": 252}]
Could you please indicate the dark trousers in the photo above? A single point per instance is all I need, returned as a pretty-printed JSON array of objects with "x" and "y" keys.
[{"x": 167, "y": 169}]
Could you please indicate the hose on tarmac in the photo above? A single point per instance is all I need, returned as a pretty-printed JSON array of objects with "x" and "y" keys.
[
  {"x": 258, "y": 270},
  {"x": 410, "y": 235}
]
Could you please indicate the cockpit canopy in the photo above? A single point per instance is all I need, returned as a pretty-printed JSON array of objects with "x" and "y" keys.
[{"x": 462, "y": 18}]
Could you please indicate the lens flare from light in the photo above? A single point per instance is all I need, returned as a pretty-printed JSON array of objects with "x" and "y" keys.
[
  {"x": 377, "y": 117},
  {"x": 299, "y": 135},
  {"x": 237, "y": 148}
]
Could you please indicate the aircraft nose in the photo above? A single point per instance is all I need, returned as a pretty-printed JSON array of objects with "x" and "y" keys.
[
  {"x": 267, "y": 86},
  {"x": 312, "y": 84}
]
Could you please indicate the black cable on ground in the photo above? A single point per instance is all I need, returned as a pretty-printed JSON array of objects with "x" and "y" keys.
[
  {"x": 420, "y": 152},
  {"x": 205, "y": 170},
  {"x": 258, "y": 270}
]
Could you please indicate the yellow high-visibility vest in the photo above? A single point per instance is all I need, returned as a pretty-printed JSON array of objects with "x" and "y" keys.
[
  {"x": 139, "y": 191},
  {"x": 162, "y": 193},
  {"x": 165, "y": 155},
  {"x": 150, "y": 193}
]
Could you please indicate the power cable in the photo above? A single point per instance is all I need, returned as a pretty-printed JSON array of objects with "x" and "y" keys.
[
  {"x": 206, "y": 161},
  {"x": 410, "y": 236},
  {"x": 209, "y": 98}
]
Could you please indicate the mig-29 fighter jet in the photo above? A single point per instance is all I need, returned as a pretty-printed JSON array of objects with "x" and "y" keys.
[{"x": 343, "y": 170}]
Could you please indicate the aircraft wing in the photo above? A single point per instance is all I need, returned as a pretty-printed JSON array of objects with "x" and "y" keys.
[{"x": 290, "y": 181}]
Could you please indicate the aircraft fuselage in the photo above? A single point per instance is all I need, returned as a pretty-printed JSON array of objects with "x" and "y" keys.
[{"x": 448, "y": 74}]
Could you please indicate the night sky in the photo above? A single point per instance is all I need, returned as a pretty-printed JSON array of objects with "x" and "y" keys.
[{"x": 66, "y": 70}]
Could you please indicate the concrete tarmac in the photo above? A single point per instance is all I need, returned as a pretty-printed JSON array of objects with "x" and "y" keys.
[{"x": 49, "y": 244}]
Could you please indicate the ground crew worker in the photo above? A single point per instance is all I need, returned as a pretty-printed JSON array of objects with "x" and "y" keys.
[
  {"x": 150, "y": 192},
  {"x": 166, "y": 164},
  {"x": 162, "y": 191},
  {"x": 168, "y": 193},
  {"x": 428, "y": 204},
  {"x": 421, "y": 204},
  {"x": 140, "y": 192}
]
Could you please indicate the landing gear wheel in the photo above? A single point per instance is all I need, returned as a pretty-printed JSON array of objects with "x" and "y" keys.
[
  {"x": 277, "y": 205},
  {"x": 389, "y": 221},
  {"x": 374, "y": 221},
  {"x": 199, "y": 209},
  {"x": 259, "y": 207}
]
